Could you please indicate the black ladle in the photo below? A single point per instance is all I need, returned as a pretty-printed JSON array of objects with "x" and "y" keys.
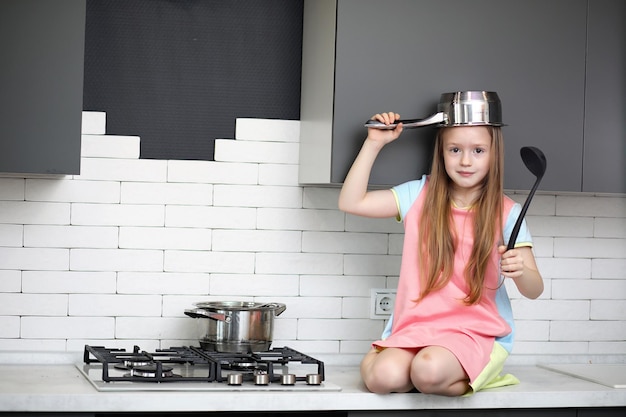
[{"x": 536, "y": 163}]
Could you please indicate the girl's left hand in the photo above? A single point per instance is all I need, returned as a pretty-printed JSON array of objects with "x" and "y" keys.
[{"x": 511, "y": 262}]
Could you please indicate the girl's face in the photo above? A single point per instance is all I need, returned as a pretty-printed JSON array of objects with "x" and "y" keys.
[{"x": 467, "y": 155}]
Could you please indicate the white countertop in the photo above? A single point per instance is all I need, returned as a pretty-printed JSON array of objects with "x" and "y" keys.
[{"x": 60, "y": 387}]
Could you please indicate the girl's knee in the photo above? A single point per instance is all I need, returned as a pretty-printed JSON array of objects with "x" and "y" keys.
[
  {"x": 432, "y": 374},
  {"x": 426, "y": 374},
  {"x": 385, "y": 374}
]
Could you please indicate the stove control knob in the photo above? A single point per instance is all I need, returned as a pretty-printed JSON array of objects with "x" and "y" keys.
[
  {"x": 235, "y": 379},
  {"x": 314, "y": 379},
  {"x": 261, "y": 379},
  {"x": 288, "y": 379}
]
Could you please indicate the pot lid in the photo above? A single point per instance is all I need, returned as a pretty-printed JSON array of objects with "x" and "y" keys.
[{"x": 239, "y": 305}]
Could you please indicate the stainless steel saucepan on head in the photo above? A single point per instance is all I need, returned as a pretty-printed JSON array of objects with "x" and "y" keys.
[{"x": 461, "y": 108}]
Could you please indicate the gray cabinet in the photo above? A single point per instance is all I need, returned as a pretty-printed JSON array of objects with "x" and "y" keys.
[
  {"x": 365, "y": 56},
  {"x": 41, "y": 79},
  {"x": 604, "y": 162}
]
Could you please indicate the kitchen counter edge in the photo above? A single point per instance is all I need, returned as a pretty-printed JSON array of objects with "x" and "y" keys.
[{"x": 62, "y": 388}]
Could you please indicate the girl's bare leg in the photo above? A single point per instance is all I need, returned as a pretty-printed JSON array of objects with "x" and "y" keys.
[
  {"x": 388, "y": 370},
  {"x": 435, "y": 370}
]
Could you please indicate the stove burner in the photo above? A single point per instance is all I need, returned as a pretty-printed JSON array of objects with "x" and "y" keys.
[
  {"x": 134, "y": 363},
  {"x": 241, "y": 365},
  {"x": 151, "y": 371}
]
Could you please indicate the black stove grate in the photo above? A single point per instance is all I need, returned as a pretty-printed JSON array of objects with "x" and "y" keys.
[
  {"x": 208, "y": 366},
  {"x": 184, "y": 356}
]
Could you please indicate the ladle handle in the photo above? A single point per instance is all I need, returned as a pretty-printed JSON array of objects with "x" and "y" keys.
[{"x": 520, "y": 218}]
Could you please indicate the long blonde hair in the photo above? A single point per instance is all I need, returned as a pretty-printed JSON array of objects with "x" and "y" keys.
[{"x": 437, "y": 240}]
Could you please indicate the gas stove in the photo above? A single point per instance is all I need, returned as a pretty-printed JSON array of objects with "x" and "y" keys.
[{"x": 189, "y": 368}]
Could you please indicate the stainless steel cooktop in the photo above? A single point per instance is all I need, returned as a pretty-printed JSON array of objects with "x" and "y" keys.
[{"x": 193, "y": 369}]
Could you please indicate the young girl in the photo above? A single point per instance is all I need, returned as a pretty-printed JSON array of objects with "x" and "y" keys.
[{"x": 452, "y": 326}]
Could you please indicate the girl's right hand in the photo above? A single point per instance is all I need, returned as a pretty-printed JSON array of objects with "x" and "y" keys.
[{"x": 385, "y": 136}]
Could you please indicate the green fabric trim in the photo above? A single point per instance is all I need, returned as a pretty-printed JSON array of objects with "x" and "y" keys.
[{"x": 490, "y": 376}]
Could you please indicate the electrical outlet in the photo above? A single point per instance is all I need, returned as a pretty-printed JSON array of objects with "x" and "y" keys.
[{"x": 381, "y": 302}]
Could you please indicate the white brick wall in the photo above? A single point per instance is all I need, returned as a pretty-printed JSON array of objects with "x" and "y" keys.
[{"x": 116, "y": 254}]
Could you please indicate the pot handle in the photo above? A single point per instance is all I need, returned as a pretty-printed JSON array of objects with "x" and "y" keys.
[
  {"x": 436, "y": 118},
  {"x": 200, "y": 313},
  {"x": 278, "y": 307}
]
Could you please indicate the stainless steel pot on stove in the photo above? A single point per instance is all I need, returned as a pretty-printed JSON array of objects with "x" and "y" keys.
[
  {"x": 460, "y": 108},
  {"x": 235, "y": 326}
]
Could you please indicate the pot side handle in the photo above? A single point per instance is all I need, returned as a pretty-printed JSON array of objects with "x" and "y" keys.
[
  {"x": 278, "y": 307},
  {"x": 199, "y": 313},
  {"x": 437, "y": 118}
]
